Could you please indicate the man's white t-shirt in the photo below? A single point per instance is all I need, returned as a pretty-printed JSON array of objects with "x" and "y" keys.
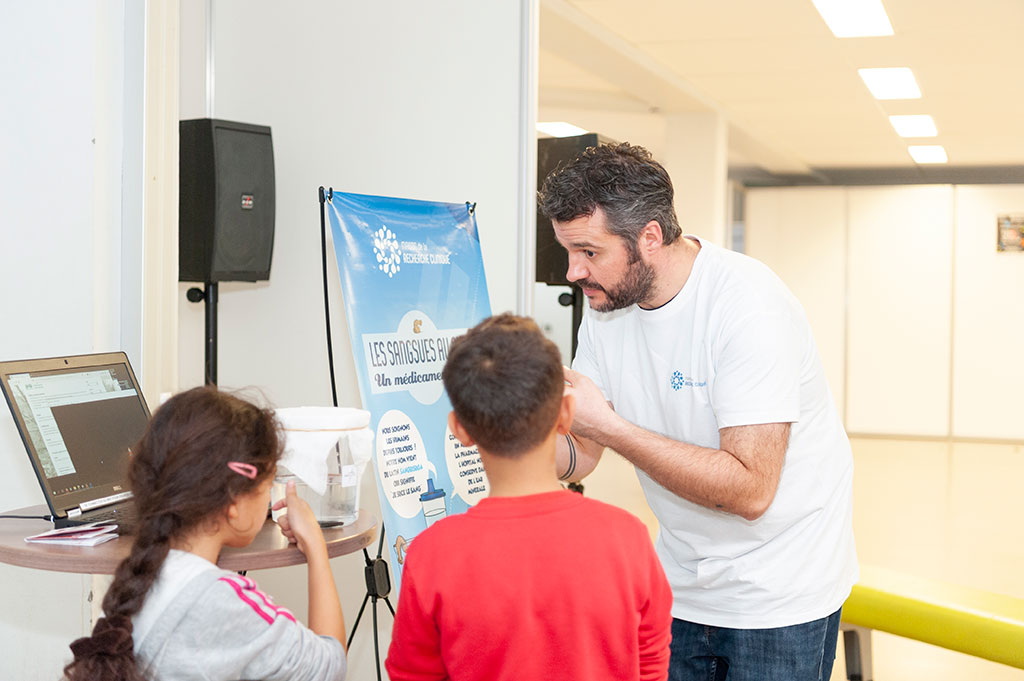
[{"x": 734, "y": 348}]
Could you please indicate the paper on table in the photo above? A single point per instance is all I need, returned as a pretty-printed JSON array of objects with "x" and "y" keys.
[
  {"x": 79, "y": 535},
  {"x": 84, "y": 541}
]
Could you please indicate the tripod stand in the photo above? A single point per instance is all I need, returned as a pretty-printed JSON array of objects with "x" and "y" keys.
[
  {"x": 378, "y": 587},
  {"x": 378, "y": 579}
]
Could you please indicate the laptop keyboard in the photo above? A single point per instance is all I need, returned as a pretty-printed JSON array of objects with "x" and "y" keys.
[
  {"x": 121, "y": 514},
  {"x": 103, "y": 516}
]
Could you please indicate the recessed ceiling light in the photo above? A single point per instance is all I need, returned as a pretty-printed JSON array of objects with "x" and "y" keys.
[
  {"x": 854, "y": 18},
  {"x": 891, "y": 83},
  {"x": 560, "y": 129},
  {"x": 914, "y": 126},
  {"x": 928, "y": 153}
]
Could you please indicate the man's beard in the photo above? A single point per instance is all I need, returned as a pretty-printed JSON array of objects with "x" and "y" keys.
[{"x": 634, "y": 287}]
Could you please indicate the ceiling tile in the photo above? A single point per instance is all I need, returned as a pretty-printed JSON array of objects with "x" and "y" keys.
[{"x": 774, "y": 69}]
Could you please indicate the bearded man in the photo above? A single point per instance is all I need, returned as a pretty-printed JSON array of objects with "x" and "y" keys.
[{"x": 698, "y": 365}]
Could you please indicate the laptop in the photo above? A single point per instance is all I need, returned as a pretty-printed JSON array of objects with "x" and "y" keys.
[{"x": 78, "y": 417}]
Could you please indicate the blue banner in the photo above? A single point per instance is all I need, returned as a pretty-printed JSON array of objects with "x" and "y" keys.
[{"x": 413, "y": 280}]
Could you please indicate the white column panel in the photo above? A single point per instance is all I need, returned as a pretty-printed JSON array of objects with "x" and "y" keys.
[
  {"x": 133, "y": 183},
  {"x": 800, "y": 232},
  {"x": 59, "y": 177},
  {"x": 900, "y": 299},
  {"x": 158, "y": 364},
  {"x": 526, "y": 218},
  {"x": 696, "y": 158},
  {"x": 107, "y": 224},
  {"x": 47, "y": 174},
  {"x": 988, "y": 325}
]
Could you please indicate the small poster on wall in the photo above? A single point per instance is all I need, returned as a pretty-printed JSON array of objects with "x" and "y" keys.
[{"x": 1010, "y": 232}]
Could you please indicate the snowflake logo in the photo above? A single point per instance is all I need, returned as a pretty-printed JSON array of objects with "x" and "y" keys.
[
  {"x": 385, "y": 247},
  {"x": 678, "y": 380}
]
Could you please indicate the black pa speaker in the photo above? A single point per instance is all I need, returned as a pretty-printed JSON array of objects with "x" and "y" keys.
[
  {"x": 552, "y": 260},
  {"x": 226, "y": 201}
]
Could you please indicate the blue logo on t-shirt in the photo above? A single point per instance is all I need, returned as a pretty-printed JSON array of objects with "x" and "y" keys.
[{"x": 679, "y": 381}]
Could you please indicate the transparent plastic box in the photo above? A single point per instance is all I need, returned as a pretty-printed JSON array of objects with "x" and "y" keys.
[{"x": 325, "y": 443}]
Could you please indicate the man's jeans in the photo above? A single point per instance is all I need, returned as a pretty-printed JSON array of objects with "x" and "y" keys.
[{"x": 803, "y": 652}]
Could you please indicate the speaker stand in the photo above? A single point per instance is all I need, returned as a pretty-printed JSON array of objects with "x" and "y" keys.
[
  {"x": 208, "y": 295},
  {"x": 575, "y": 299}
]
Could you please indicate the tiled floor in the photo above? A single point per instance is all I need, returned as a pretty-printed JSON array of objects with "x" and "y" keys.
[{"x": 945, "y": 511}]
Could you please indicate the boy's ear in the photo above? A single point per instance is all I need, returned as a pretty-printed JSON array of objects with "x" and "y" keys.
[
  {"x": 566, "y": 413},
  {"x": 458, "y": 431}
]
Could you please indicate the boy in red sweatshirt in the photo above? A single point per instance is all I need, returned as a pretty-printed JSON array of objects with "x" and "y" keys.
[{"x": 534, "y": 582}]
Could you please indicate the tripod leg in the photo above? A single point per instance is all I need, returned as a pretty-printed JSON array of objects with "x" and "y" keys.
[
  {"x": 376, "y": 641},
  {"x": 358, "y": 617},
  {"x": 389, "y": 606}
]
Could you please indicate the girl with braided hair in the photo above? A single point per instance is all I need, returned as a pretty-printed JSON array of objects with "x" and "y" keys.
[{"x": 201, "y": 479}]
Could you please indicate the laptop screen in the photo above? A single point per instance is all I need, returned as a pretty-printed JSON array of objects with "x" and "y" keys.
[{"x": 78, "y": 417}]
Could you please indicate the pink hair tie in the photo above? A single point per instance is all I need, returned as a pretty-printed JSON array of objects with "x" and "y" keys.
[{"x": 246, "y": 469}]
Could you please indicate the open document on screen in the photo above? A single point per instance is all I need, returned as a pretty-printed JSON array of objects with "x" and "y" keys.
[{"x": 38, "y": 395}]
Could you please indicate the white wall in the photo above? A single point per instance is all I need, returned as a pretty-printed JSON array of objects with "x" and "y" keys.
[
  {"x": 46, "y": 176},
  {"x": 801, "y": 234},
  {"x": 988, "y": 324},
  {"x": 55, "y": 269},
  {"x": 408, "y": 99},
  {"x": 931, "y": 317},
  {"x": 898, "y": 294}
]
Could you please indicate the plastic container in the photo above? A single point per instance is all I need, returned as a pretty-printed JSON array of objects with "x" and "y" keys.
[{"x": 339, "y": 504}]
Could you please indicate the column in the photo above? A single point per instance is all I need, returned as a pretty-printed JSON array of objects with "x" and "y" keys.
[{"x": 696, "y": 157}]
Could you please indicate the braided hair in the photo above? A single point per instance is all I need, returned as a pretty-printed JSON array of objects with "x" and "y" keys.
[{"x": 180, "y": 479}]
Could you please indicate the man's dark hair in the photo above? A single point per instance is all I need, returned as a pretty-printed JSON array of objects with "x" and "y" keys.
[
  {"x": 505, "y": 383},
  {"x": 624, "y": 180}
]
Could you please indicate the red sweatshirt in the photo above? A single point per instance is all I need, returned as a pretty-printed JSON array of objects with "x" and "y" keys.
[{"x": 546, "y": 586}]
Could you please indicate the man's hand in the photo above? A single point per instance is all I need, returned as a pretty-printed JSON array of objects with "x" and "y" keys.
[
  {"x": 741, "y": 477},
  {"x": 594, "y": 414}
]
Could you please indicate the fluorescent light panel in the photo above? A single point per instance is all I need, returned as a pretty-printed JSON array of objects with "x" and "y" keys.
[
  {"x": 891, "y": 83},
  {"x": 560, "y": 129},
  {"x": 854, "y": 18},
  {"x": 918, "y": 125},
  {"x": 928, "y": 153}
]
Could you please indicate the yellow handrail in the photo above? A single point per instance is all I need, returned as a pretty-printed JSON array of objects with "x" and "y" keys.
[{"x": 971, "y": 621}]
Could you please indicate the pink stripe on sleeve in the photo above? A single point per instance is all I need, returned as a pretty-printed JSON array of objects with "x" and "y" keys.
[
  {"x": 278, "y": 610},
  {"x": 247, "y": 590}
]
